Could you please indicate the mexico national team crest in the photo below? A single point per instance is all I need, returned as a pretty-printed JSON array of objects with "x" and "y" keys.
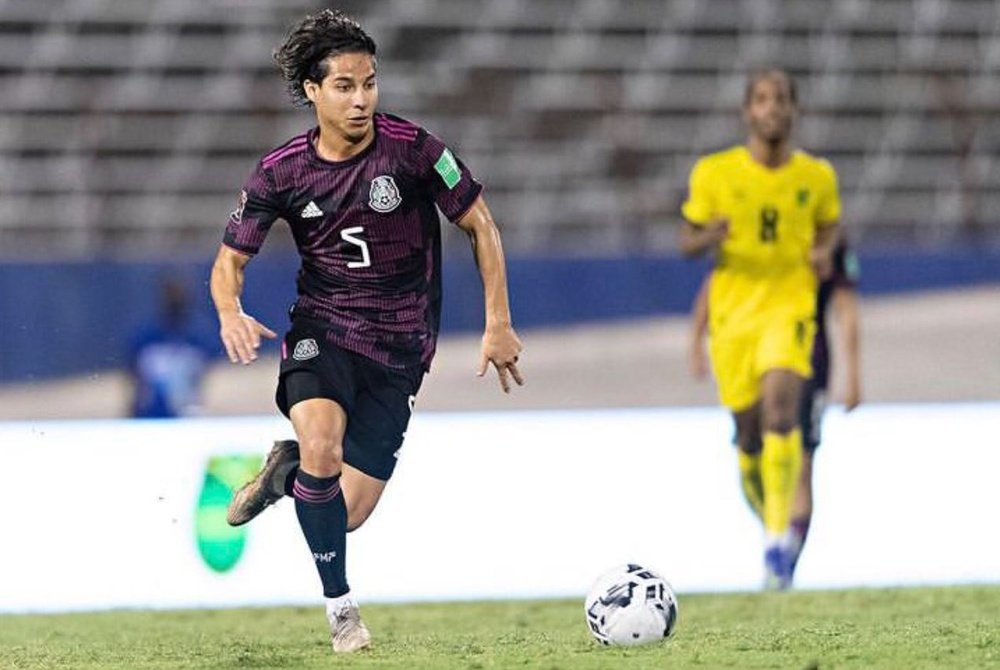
[
  {"x": 384, "y": 195},
  {"x": 236, "y": 216},
  {"x": 305, "y": 349}
]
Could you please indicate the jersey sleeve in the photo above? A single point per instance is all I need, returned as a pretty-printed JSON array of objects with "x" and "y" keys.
[
  {"x": 447, "y": 178},
  {"x": 828, "y": 207},
  {"x": 256, "y": 210},
  {"x": 699, "y": 207}
]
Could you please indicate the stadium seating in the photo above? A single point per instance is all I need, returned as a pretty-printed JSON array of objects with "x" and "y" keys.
[{"x": 129, "y": 126}]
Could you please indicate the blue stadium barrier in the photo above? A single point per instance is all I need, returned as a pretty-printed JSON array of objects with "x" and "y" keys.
[{"x": 75, "y": 317}]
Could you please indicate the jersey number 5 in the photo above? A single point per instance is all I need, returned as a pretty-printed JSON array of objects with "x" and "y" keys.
[
  {"x": 348, "y": 235},
  {"x": 768, "y": 224}
]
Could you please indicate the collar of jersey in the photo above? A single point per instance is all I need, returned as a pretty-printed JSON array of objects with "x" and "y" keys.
[
  {"x": 793, "y": 157},
  {"x": 311, "y": 143}
]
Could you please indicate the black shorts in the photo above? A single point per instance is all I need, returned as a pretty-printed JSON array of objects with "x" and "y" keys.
[
  {"x": 378, "y": 399},
  {"x": 811, "y": 408}
]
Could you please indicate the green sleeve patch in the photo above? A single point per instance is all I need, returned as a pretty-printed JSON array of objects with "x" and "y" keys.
[{"x": 447, "y": 167}]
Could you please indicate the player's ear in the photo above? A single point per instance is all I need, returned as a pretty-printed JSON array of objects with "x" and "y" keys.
[{"x": 311, "y": 90}]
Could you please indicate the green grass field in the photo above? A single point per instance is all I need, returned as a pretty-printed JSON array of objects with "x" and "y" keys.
[{"x": 957, "y": 627}]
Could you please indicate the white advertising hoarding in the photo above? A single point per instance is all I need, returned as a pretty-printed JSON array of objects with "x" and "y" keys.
[{"x": 522, "y": 504}]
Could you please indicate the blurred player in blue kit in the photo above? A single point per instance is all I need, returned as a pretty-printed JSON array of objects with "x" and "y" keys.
[
  {"x": 361, "y": 194},
  {"x": 168, "y": 360}
]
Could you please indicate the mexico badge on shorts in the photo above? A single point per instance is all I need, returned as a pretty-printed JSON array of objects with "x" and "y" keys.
[{"x": 305, "y": 349}]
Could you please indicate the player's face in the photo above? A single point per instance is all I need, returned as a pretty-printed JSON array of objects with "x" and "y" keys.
[
  {"x": 346, "y": 98},
  {"x": 770, "y": 110}
]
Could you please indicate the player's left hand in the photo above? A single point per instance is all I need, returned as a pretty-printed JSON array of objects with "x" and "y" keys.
[
  {"x": 501, "y": 347},
  {"x": 822, "y": 262}
]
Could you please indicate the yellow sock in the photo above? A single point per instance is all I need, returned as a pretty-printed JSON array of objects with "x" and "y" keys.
[
  {"x": 781, "y": 461},
  {"x": 753, "y": 489}
]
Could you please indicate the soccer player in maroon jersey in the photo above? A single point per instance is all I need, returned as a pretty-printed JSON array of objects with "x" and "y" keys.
[{"x": 360, "y": 193}]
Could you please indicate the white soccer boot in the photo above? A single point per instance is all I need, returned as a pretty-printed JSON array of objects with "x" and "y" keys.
[{"x": 347, "y": 632}]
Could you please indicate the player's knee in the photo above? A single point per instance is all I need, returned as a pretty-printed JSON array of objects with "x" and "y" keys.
[
  {"x": 781, "y": 416},
  {"x": 749, "y": 442},
  {"x": 781, "y": 423},
  {"x": 323, "y": 454}
]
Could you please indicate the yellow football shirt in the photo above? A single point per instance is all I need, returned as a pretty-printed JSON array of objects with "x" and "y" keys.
[{"x": 762, "y": 270}]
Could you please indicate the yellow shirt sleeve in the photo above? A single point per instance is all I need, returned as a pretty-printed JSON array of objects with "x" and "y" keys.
[
  {"x": 699, "y": 208},
  {"x": 828, "y": 209}
]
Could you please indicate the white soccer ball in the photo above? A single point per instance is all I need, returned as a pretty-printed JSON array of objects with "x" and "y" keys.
[{"x": 631, "y": 605}]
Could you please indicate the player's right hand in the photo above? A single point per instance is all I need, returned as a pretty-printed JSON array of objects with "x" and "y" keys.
[
  {"x": 822, "y": 263},
  {"x": 240, "y": 334},
  {"x": 716, "y": 232}
]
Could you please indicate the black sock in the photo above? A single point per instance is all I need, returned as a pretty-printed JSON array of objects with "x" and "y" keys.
[
  {"x": 322, "y": 514},
  {"x": 290, "y": 481}
]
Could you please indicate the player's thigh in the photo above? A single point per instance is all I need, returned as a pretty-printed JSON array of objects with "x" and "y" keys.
[
  {"x": 786, "y": 343},
  {"x": 379, "y": 419},
  {"x": 313, "y": 368},
  {"x": 320, "y": 425},
  {"x": 316, "y": 391},
  {"x": 784, "y": 361},
  {"x": 735, "y": 373}
]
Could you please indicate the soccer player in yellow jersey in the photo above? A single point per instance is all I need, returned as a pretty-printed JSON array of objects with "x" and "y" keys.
[{"x": 769, "y": 213}]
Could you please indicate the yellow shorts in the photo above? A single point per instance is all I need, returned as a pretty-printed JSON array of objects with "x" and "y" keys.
[{"x": 740, "y": 360}]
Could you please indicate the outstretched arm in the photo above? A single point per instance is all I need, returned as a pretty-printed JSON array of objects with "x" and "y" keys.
[
  {"x": 844, "y": 302},
  {"x": 240, "y": 332},
  {"x": 501, "y": 346}
]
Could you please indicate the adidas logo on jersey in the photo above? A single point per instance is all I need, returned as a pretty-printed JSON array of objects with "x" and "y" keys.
[{"x": 311, "y": 211}]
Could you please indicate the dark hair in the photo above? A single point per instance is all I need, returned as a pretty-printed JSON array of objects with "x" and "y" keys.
[
  {"x": 317, "y": 37},
  {"x": 769, "y": 73}
]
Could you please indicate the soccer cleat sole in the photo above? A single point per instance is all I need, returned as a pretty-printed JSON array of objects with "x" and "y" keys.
[{"x": 353, "y": 647}]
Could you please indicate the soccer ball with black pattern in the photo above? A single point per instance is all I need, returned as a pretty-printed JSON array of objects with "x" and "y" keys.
[{"x": 630, "y": 605}]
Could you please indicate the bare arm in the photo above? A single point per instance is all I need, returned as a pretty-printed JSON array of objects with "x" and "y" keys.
[
  {"x": 821, "y": 255},
  {"x": 697, "y": 360},
  {"x": 696, "y": 240},
  {"x": 240, "y": 333},
  {"x": 844, "y": 302},
  {"x": 501, "y": 346}
]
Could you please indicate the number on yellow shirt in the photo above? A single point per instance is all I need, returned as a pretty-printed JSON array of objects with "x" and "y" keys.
[{"x": 768, "y": 224}]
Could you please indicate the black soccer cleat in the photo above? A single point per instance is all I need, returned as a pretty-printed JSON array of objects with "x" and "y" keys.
[{"x": 267, "y": 487}]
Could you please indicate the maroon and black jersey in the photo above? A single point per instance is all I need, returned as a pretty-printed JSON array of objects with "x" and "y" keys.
[
  {"x": 845, "y": 275},
  {"x": 368, "y": 233}
]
